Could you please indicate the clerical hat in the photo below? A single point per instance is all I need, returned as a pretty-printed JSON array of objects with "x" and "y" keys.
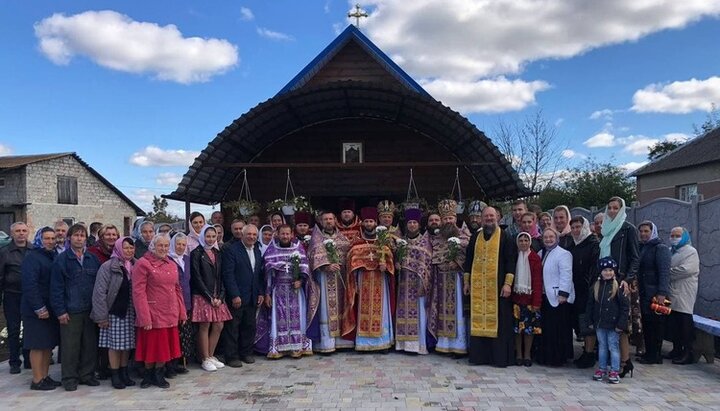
[
  {"x": 346, "y": 204},
  {"x": 386, "y": 207},
  {"x": 447, "y": 208},
  {"x": 476, "y": 207},
  {"x": 368, "y": 213},
  {"x": 303, "y": 217},
  {"x": 413, "y": 214}
]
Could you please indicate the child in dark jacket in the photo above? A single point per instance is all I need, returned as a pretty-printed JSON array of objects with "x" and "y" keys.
[{"x": 608, "y": 308}]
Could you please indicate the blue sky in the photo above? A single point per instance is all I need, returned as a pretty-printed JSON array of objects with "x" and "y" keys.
[{"x": 70, "y": 84}]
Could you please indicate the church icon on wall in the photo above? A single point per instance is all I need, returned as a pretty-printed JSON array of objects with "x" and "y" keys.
[{"x": 352, "y": 153}]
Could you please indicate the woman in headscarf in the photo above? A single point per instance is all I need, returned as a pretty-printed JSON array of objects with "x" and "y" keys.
[
  {"x": 559, "y": 293},
  {"x": 585, "y": 250},
  {"x": 529, "y": 225},
  {"x": 208, "y": 297},
  {"x": 197, "y": 222},
  {"x": 178, "y": 244},
  {"x": 113, "y": 312},
  {"x": 684, "y": 273},
  {"x": 159, "y": 309},
  {"x": 142, "y": 234},
  {"x": 41, "y": 330},
  {"x": 654, "y": 282},
  {"x": 561, "y": 224},
  {"x": 266, "y": 237},
  {"x": 526, "y": 298},
  {"x": 620, "y": 241},
  {"x": 164, "y": 228}
]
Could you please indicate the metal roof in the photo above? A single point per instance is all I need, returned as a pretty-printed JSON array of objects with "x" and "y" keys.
[
  {"x": 700, "y": 150},
  {"x": 279, "y": 117},
  {"x": 351, "y": 33}
]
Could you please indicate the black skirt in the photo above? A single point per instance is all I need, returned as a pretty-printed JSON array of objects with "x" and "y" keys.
[
  {"x": 557, "y": 344},
  {"x": 40, "y": 334}
]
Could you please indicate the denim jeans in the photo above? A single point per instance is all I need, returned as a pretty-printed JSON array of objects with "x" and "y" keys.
[
  {"x": 608, "y": 341},
  {"x": 11, "y": 308}
]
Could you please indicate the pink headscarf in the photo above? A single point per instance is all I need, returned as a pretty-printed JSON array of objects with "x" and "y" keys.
[
  {"x": 565, "y": 230},
  {"x": 118, "y": 253}
]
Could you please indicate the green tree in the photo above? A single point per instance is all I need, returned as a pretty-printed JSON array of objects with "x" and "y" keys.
[
  {"x": 661, "y": 148},
  {"x": 550, "y": 197},
  {"x": 160, "y": 213},
  {"x": 592, "y": 184},
  {"x": 712, "y": 121}
]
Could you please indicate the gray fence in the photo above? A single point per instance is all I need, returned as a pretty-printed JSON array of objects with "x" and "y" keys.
[{"x": 702, "y": 220}]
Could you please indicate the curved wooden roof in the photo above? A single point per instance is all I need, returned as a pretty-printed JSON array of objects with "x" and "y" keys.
[{"x": 212, "y": 174}]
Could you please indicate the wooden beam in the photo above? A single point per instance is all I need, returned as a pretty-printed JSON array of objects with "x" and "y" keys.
[{"x": 388, "y": 164}]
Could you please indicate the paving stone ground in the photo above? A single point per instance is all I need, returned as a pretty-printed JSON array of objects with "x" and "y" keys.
[{"x": 356, "y": 381}]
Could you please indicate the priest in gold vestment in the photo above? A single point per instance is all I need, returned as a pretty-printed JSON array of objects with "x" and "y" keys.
[{"x": 489, "y": 273}]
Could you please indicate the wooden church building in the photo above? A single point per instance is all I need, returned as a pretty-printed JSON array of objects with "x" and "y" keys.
[{"x": 353, "y": 124}]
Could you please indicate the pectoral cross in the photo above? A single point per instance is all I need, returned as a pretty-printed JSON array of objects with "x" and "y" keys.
[
  {"x": 371, "y": 256},
  {"x": 357, "y": 14},
  {"x": 287, "y": 268}
]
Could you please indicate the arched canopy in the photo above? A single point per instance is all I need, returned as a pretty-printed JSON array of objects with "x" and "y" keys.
[{"x": 216, "y": 169}]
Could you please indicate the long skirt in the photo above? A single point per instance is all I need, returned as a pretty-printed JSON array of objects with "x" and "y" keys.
[
  {"x": 288, "y": 322},
  {"x": 386, "y": 339},
  {"x": 157, "y": 345},
  {"x": 556, "y": 346}
]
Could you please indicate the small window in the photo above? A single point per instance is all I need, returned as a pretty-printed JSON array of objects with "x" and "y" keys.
[
  {"x": 686, "y": 192},
  {"x": 67, "y": 190},
  {"x": 2, "y": 182}
]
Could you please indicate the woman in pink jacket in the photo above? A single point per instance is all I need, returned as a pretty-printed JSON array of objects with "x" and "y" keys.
[{"x": 159, "y": 309}]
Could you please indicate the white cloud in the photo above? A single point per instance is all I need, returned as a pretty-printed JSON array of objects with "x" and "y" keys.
[
  {"x": 152, "y": 156},
  {"x": 639, "y": 145},
  {"x": 603, "y": 139},
  {"x": 604, "y": 114},
  {"x": 633, "y": 165},
  {"x": 144, "y": 197},
  {"x": 246, "y": 14},
  {"x": 678, "y": 97},
  {"x": 116, "y": 41},
  {"x": 487, "y": 96},
  {"x": 168, "y": 179},
  {"x": 490, "y": 38},
  {"x": 677, "y": 137},
  {"x": 274, "y": 35},
  {"x": 5, "y": 150},
  {"x": 568, "y": 153},
  {"x": 559, "y": 122}
]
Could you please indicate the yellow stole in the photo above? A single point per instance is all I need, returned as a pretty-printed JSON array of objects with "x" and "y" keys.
[{"x": 484, "y": 286}]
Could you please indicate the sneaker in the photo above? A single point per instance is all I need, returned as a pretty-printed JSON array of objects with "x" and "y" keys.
[
  {"x": 614, "y": 377},
  {"x": 208, "y": 365},
  {"x": 599, "y": 374},
  {"x": 14, "y": 369},
  {"x": 53, "y": 382},
  {"x": 216, "y": 363},
  {"x": 43, "y": 385}
]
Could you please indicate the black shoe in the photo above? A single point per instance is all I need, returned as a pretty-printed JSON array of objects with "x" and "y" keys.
[
  {"x": 686, "y": 358},
  {"x": 90, "y": 382},
  {"x": 160, "y": 378},
  {"x": 248, "y": 359},
  {"x": 519, "y": 361},
  {"x": 14, "y": 369},
  {"x": 672, "y": 355},
  {"x": 586, "y": 360},
  {"x": 116, "y": 379},
  {"x": 43, "y": 385},
  {"x": 234, "y": 364},
  {"x": 27, "y": 365},
  {"x": 649, "y": 360},
  {"x": 180, "y": 369},
  {"x": 628, "y": 368},
  {"x": 170, "y": 372},
  {"x": 70, "y": 385},
  {"x": 148, "y": 379},
  {"x": 53, "y": 382},
  {"x": 125, "y": 377},
  {"x": 527, "y": 363},
  {"x": 102, "y": 374}
]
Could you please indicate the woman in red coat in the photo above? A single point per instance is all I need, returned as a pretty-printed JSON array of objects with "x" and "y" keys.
[
  {"x": 159, "y": 309},
  {"x": 527, "y": 298}
]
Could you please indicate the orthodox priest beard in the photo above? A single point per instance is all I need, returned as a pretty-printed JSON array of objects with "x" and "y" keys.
[
  {"x": 488, "y": 230},
  {"x": 369, "y": 234},
  {"x": 449, "y": 230}
]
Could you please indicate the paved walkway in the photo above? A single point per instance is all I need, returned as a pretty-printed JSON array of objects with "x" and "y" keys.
[{"x": 375, "y": 381}]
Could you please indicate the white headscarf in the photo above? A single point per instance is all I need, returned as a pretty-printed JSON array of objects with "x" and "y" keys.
[
  {"x": 523, "y": 277},
  {"x": 173, "y": 252},
  {"x": 584, "y": 231}
]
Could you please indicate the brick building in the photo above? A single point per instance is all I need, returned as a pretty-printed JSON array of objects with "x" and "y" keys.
[
  {"x": 689, "y": 170},
  {"x": 41, "y": 189}
]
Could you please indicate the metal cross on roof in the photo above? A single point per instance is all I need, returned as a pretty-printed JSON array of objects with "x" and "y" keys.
[{"x": 357, "y": 14}]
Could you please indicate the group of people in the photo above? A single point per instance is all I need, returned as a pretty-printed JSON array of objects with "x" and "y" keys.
[{"x": 501, "y": 294}]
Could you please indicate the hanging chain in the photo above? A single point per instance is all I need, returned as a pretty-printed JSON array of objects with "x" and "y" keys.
[
  {"x": 288, "y": 184},
  {"x": 411, "y": 187},
  {"x": 456, "y": 183}
]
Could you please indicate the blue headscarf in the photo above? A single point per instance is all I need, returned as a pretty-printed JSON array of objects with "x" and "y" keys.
[
  {"x": 684, "y": 240},
  {"x": 611, "y": 226},
  {"x": 37, "y": 241}
]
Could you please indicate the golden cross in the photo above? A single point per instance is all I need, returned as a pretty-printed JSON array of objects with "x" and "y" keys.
[{"x": 357, "y": 14}]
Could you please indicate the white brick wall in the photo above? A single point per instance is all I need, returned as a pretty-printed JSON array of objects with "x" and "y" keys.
[{"x": 96, "y": 201}]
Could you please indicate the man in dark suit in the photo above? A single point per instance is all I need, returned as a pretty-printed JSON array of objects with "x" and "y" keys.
[{"x": 245, "y": 288}]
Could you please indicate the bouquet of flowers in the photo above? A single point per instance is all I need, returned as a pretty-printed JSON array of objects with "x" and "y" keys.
[
  {"x": 453, "y": 248},
  {"x": 295, "y": 266},
  {"x": 401, "y": 250},
  {"x": 306, "y": 240},
  {"x": 332, "y": 253},
  {"x": 382, "y": 240}
]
